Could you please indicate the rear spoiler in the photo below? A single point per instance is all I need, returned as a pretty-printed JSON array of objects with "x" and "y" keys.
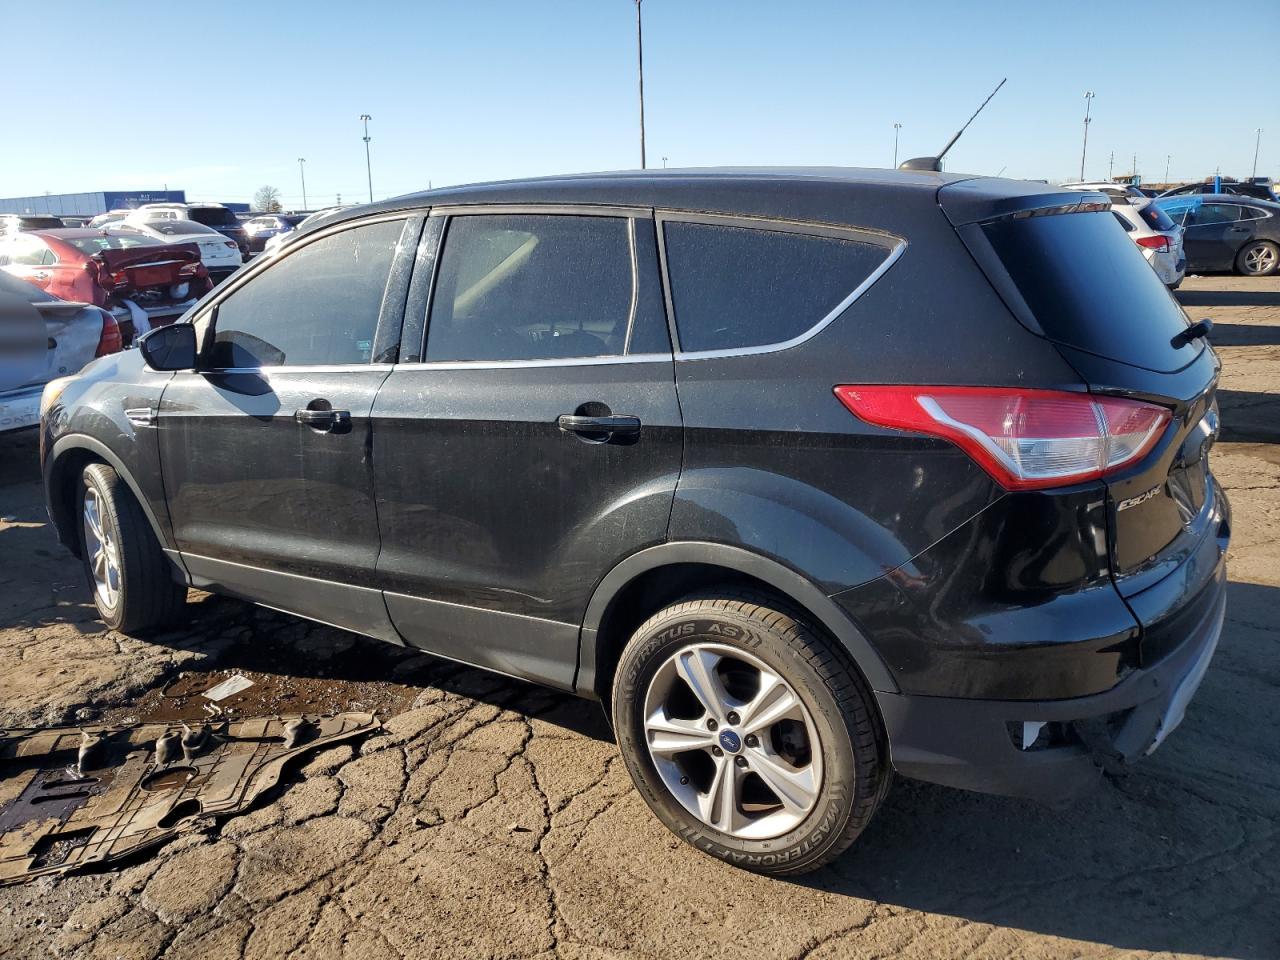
[{"x": 985, "y": 198}]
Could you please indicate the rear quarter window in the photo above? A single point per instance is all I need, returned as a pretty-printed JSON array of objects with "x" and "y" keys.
[{"x": 734, "y": 287}]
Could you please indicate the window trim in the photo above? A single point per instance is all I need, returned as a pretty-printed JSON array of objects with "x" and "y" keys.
[
  {"x": 206, "y": 320},
  {"x": 894, "y": 245},
  {"x": 439, "y": 238}
]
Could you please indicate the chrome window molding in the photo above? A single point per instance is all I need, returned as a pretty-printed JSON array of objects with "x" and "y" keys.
[
  {"x": 300, "y": 368},
  {"x": 545, "y": 209},
  {"x": 895, "y": 247},
  {"x": 545, "y": 362}
]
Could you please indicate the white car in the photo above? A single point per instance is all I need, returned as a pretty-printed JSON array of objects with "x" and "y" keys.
[
  {"x": 220, "y": 255},
  {"x": 108, "y": 218},
  {"x": 215, "y": 215},
  {"x": 1155, "y": 233}
]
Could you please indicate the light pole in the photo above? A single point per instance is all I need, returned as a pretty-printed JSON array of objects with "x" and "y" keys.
[
  {"x": 664, "y": 163},
  {"x": 1088, "y": 102},
  {"x": 640, "y": 71},
  {"x": 1167, "y": 159},
  {"x": 1256, "y": 144},
  {"x": 1135, "y": 169},
  {"x": 896, "y": 128},
  {"x": 1111, "y": 166},
  {"x": 368, "y": 168},
  {"x": 302, "y": 172}
]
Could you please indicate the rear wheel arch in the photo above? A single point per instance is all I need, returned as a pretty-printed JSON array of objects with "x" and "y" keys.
[
  {"x": 644, "y": 583},
  {"x": 63, "y": 468}
]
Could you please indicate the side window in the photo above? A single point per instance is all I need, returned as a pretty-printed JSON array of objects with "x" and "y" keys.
[
  {"x": 734, "y": 287},
  {"x": 30, "y": 252},
  {"x": 1129, "y": 227},
  {"x": 1215, "y": 213},
  {"x": 318, "y": 305},
  {"x": 531, "y": 287},
  {"x": 1253, "y": 213}
]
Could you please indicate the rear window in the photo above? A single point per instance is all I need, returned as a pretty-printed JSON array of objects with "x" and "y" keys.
[
  {"x": 213, "y": 216},
  {"x": 115, "y": 241},
  {"x": 1155, "y": 218},
  {"x": 734, "y": 287},
  {"x": 178, "y": 228},
  {"x": 1089, "y": 287},
  {"x": 40, "y": 223}
]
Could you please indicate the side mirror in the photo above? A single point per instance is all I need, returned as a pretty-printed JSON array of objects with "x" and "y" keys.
[{"x": 169, "y": 348}]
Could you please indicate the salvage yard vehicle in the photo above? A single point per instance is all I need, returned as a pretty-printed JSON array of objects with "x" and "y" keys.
[
  {"x": 42, "y": 338},
  {"x": 1159, "y": 238},
  {"x": 11, "y": 223},
  {"x": 263, "y": 228},
  {"x": 1228, "y": 232},
  {"x": 142, "y": 281},
  {"x": 809, "y": 475},
  {"x": 213, "y": 215},
  {"x": 220, "y": 256}
]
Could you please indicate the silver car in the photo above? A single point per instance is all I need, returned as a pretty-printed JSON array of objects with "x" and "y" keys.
[{"x": 43, "y": 338}]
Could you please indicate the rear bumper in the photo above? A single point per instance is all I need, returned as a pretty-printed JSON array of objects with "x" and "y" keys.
[
  {"x": 1001, "y": 747},
  {"x": 20, "y": 409}
]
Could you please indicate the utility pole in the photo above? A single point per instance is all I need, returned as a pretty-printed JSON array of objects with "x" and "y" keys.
[
  {"x": 896, "y": 128},
  {"x": 1135, "y": 169},
  {"x": 664, "y": 163},
  {"x": 302, "y": 171},
  {"x": 1256, "y": 144},
  {"x": 1111, "y": 167},
  {"x": 1088, "y": 102},
  {"x": 368, "y": 167},
  {"x": 640, "y": 70}
]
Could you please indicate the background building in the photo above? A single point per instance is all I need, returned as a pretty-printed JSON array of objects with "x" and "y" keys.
[{"x": 90, "y": 204}]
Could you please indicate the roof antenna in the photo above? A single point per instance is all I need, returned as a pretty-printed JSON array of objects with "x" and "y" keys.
[{"x": 935, "y": 163}]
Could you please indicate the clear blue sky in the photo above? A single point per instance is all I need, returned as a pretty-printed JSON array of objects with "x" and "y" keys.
[{"x": 486, "y": 89}]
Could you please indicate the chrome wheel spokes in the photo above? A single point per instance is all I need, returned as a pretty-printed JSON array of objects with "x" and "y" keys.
[
  {"x": 101, "y": 549},
  {"x": 732, "y": 741}
]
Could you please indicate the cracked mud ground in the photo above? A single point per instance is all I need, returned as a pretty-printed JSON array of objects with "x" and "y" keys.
[{"x": 495, "y": 819}]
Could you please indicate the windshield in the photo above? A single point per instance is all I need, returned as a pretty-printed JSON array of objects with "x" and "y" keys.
[
  {"x": 1089, "y": 287},
  {"x": 115, "y": 241},
  {"x": 213, "y": 216}
]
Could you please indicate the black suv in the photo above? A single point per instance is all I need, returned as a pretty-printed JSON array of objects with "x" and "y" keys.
[{"x": 809, "y": 475}]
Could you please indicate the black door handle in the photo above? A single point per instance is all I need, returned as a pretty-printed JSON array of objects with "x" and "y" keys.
[
  {"x": 599, "y": 429},
  {"x": 325, "y": 421}
]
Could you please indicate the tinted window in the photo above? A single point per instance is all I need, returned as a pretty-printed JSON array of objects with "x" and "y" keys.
[
  {"x": 1089, "y": 287},
  {"x": 735, "y": 287},
  {"x": 213, "y": 216},
  {"x": 1129, "y": 227},
  {"x": 1214, "y": 213},
  {"x": 319, "y": 305},
  {"x": 531, "y": 287},
  {"x": 178, "y": 228},
  {"x": 1253, "y": 213},
  {"x": 1155, "y": 218}
]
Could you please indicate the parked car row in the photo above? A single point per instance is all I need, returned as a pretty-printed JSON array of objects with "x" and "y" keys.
[{"x": 1157, "y": 236}]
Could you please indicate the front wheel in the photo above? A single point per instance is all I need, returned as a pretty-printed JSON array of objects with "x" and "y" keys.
[
  {"x": 132, "y": 581},
  {"x": 1258, "y": 258},
  {"x": 749, "y": 734}
]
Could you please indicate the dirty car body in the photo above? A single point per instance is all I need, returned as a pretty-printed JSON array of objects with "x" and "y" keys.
[{"x": 1026, "y": 603}]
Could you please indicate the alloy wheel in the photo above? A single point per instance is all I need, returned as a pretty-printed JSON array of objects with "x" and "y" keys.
[
  {"x": 732, "y": 741},
  {"x": 101, "y": 549},
  {"x": 1260, "y": 258}
]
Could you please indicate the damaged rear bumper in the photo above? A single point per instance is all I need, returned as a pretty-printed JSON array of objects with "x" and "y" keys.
[{"x": 1051, "y": 750}]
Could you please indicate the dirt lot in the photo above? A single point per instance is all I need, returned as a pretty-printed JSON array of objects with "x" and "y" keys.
[{"x": 495, "y": 819}]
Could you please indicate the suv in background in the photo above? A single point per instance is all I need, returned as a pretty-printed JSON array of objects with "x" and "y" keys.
[
  {"x": 1259, "y": 191},
  {"x": 1159, "y": 238},
  {"x": 213, "y": 215},
  {"x": 720, "y": 448},
  {"x": 11, "y": 223}
]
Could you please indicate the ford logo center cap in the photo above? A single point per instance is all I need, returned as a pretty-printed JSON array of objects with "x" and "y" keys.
[{"x": 730, "y": 741}]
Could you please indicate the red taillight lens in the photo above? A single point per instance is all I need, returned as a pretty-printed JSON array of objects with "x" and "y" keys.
[
  {"x": 1154, "y": 243},
  {"x": 233, "y": 244},
  {"x": 1026, "y": 439},
  {"x": 110, "y": 341}
]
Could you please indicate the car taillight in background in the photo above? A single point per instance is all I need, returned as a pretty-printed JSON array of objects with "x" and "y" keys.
[
  {"x": 1026, "y": 439},
  {"x": 232, "y": 244},
  {"x": 1154, "y": 243},
  {"x": 110, "y": 341},
  {"x": 190, "y": 269}
]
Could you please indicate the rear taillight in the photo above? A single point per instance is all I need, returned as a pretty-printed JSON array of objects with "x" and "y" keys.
[
  {"x": 1154, "y": 243},
  {"x": 189, "y": 269},
  {"x": 110, "y": 341},
  {"x": 1026, "y": 439},
  {"x": 232, "y": 244}
]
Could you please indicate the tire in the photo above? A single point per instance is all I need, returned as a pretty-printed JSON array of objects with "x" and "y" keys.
[
  {"x": 835, "y": 785},
  {"x": 1258, "y": 258},
  {"x": 131, "y": 579}
]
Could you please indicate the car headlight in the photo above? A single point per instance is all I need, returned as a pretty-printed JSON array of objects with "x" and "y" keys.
[{"x": 52, "y": 390}]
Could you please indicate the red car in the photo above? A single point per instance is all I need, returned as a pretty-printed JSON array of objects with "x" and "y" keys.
[{"x": 141, "y": 281}]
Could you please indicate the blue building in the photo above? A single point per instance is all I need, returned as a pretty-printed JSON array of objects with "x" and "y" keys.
[{"x": 90, "y": 204}]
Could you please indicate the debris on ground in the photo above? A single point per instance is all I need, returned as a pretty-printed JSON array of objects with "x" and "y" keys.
[{"x": 71, "y": 797}]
